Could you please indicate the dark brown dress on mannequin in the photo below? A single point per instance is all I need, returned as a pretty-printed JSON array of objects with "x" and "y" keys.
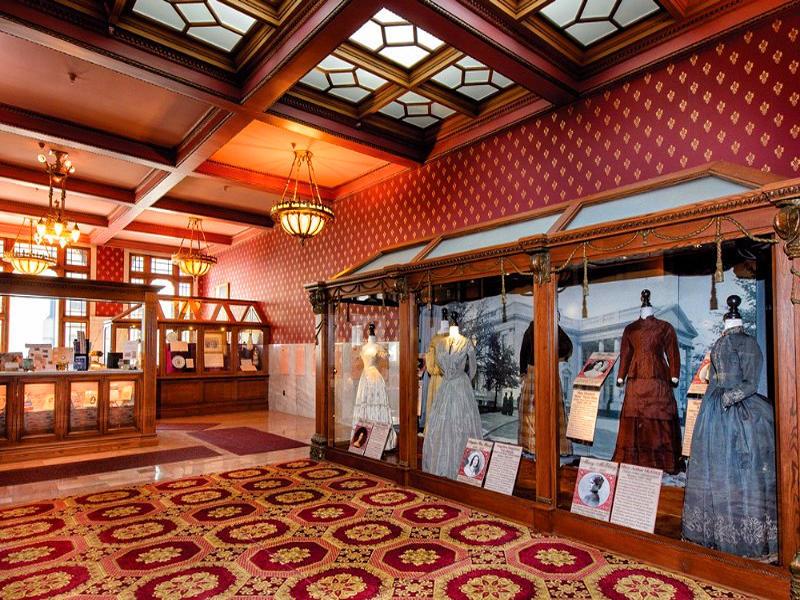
[
  {"x": 649, "y": 432},
  {"x": 527, "y": 417}
]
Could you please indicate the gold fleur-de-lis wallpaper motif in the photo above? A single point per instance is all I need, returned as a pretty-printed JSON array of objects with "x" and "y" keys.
[{"x": 736, "y": 100}]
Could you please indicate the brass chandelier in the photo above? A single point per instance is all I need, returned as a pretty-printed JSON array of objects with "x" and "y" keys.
[
  {"x": 193, "y": 257},
  {"x": 53, "y": 228},
  {"x": 27, "y": 258},
  {"x": 299, "y": 217}
]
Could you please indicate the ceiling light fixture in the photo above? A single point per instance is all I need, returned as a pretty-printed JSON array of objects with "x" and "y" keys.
[
  {"x": 299, "y": 217},
  {"x": 53, "y": 228},
  {"x": 193, "y": 257},
  {"x": 25, "y": 257}
]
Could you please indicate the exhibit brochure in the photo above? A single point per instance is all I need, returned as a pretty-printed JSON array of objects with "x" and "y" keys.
[{"x": 377, "y": 440}]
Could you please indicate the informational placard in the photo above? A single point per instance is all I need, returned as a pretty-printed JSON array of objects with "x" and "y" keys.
[
  {"x": 474, "y": 462},
  {"x": 594, "y": 488},
  {"x": 178, "y": 346},
  {"x": 692, "y": 410},
  {"x": 130, "y": 350},
  {"x": 214, "y": 360},
  {"x": 359, "y": 437},
  {"x": 246, "y": 364},
  {"x": 63, "y": 355},
  {"x": 583, "y": 414},
  {"x": 596, "y": 369},
  {"x": 636, "y": 500},
  {"x": 699, "y": 383},
  {"x": 501, "y": 476},
  {"x": 41, "y": 355},
  {"x": 377, "y": 440}
]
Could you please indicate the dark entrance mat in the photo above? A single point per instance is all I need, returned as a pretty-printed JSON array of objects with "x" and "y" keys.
[
  {"x": 246, "y": 440},
  {"x": 184, "y": 426},
  {"x": 103, "y": 465}
]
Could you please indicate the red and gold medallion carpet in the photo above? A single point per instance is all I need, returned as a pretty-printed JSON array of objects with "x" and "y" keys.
[{"x": 301, "y": 530}]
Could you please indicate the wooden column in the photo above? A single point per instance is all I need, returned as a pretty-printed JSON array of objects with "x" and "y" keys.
[
  {"x": 545, "y": 343},
  {"x": 325, "y": 432},
  {"x": 409, "y": 385},
  {"x": 147, "y": 413}
]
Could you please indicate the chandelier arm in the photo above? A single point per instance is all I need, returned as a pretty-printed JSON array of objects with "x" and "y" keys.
[{"x": 312, "y": 178}]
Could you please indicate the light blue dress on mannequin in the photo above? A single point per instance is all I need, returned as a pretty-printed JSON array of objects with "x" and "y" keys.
[
  {"x": 454, "y": 414},
  {"x": 731, "y": 495}
]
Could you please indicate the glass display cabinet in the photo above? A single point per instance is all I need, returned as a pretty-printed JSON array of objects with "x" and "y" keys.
[
  {"x": 211, "y": 355},
  {"x": 84, "y": 407},
  {"x": 606, "y": 369}
]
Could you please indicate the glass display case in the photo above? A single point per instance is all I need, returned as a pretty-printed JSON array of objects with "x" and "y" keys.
[
  {"x": 367, "y": 376},
  {"x": 121, "y": 403},
  {"x": 84, "y": 402},
  {"x": 39, "y": 400},
  {"x": 65, "y": 406},
  {"x": 250, "y": 349},
  {"x": 211, "y": 355},
  {"x": 601, "y": 371}
]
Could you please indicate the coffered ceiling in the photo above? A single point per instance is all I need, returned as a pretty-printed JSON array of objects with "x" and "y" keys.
[{"x": 173, "y": 108}]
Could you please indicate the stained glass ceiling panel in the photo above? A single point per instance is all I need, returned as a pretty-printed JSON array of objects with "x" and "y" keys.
[
  {"x": 343, "y": 79},
  {"x": 589, "y": 21},
  {"x": 211, "y": 21},
  {"x": 472, "y": 78},
  {"x": 396, "y": 39}
]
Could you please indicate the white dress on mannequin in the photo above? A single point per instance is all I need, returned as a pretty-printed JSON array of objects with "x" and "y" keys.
[{"x": 372, "y": 401}]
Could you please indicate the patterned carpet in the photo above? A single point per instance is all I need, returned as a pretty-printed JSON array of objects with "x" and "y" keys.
[{"x": 301, "y": 530}]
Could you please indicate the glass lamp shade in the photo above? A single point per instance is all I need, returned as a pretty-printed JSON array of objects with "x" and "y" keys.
[
  {"x": 302, "y": 220},
  {"x": 194, "y": 264},
  {"x": 28, "y": 263}
]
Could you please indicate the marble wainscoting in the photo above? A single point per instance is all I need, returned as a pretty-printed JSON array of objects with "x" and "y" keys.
[{"x": 292, "y": 379}]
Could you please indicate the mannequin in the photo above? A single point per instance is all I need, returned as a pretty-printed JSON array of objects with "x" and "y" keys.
[
  {"x": 372, "y": 402},
  {"x": 731, "y": 484},
  {"x": 644, "y": 312},
  {"x": 454, "y": 417},
  {"x": 526, "y": 436},
  {"x": 433, "y": 369},
  {"x": 649, "y": 366}
]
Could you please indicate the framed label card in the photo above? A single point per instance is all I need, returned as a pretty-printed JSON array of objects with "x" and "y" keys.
[
  {"x": 377, "y": 440},
  {"x": 474, "y": 462},
  {"x": 636, "y": 501},
  {"x": 502, "y": 473},
  {"x": 596, "y": 369},
  {"x": 359, "y": 437},
  {"x": 594, "y": 488}
]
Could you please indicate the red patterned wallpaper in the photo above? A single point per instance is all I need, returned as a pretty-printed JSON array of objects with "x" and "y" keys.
[
  {"x": 734, "y": 101},
  {"x": 110, "y": 267}
]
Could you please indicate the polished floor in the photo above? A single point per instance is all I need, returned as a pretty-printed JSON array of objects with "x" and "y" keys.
[
  {"x": 302, "y": 530},
  {"x": 291, "y": 426}
]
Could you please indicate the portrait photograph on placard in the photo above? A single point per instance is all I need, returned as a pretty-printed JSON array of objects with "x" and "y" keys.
[
  {"x": 596, "y": 369},
  {"x": 474, "y": 462},
  {"x": 360, "y": 437}
]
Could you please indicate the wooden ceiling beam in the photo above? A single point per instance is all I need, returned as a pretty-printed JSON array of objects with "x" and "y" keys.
[
  {"x": 216, "y": 213},
  {"x": 175, "y": 232},
  {"x": 42, "y": 128},
  {"x": 262, "y": 181},
  {"x": 142, "y": 246},
  {"x": 437, "y": 61},
  {"x": 38, "y": 178},
  {"x": 448, "y": 98},
  {"x": 36, "y": 210},
  {"x": 482, "y": 39},
  {"x": 380, "y": 98},
  {"x": 215, "y": 130},
  {"x": 676, "y": 8}
]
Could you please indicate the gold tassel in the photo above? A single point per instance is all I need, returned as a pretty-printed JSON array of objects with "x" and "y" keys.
[
  {"x": 503, "y": 288},
  {"x": 585, "y": 311},
  {"x": 713, "y": 302}
]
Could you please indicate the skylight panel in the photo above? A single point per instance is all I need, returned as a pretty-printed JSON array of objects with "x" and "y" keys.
[
  {"x": 396, "y": 39},
  {"x": 589, "y": 21},
  {"x": 416, "y": 110},
  {"x": 472, "y": 78},
  {"x": 343, "y": 79}
]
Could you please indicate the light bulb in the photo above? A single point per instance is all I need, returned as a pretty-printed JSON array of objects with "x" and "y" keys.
[
  {"x": 42, "y": 158},
  {"x": 58, "y": 227},
  {"x": 62, "y": 242},
  {"x": 40, "y": 228},
  {"x": 76, "y": 233}
]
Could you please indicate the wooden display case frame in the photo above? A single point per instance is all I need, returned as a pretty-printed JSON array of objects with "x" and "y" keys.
[
  {"x": 538, "y": 255},
  {"x": 15, "y": 446},
  {"x": 206, "y": 391}
]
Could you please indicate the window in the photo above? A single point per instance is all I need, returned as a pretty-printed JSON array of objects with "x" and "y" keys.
[
  {"x": 46, "y": 320},
  {"x": 156, "y": 270}
]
